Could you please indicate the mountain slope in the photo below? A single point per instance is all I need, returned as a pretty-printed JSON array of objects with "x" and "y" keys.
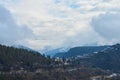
[
  {"x": 108, "y": 59},
  {"x": 80, "y": 51},
  {"x": 52, "y": 52},
  {"x": 15, "y": 58}
]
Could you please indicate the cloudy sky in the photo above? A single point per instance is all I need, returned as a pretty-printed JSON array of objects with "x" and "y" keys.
[{"x": 50, "y": 24}]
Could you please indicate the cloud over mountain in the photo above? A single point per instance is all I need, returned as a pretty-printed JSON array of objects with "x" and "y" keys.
[{"x": 60, "y": 23}]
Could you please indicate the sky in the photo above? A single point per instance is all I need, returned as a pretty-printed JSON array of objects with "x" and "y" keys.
[{"x": 50, "y": 24}]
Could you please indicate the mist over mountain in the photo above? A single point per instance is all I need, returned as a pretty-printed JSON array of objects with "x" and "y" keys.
[
  {"x": 53, "y": 52},
  {"x": 23, "y": 47}
]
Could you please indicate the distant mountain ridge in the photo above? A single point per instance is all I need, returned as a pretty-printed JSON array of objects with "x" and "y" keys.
[
  {"x": 53, "y": 52},
  {"x": 80, "y": 51},
  {"x": 108, "y": 59}
]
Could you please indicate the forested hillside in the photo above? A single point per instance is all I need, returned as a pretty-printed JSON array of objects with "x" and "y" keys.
[
  {"x": 22, "y": 64},
  {"x": 14, "y": 58},
  {"x": 108, "y": 59},
  {"x": 80, "y": 51}
]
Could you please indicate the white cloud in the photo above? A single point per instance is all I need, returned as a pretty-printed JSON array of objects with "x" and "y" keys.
[
  {"x": 107, "y": 25},
  {"x": 10, "y": 32},
  {"x": 58, "y": 23}
]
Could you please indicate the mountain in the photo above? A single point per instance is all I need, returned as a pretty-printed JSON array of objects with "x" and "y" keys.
[
  {"x": 107, "y": 59},
  {"x": 80, "y": 51},
  {"x": 53, "y": 52},
  {"x": 14, "y": 58},
  {"x": 22, "y": 64}
]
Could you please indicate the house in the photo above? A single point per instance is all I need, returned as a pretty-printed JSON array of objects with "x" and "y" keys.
[
  {"x": 97, "y": 78},
  {"x": 58, "y": 59}
]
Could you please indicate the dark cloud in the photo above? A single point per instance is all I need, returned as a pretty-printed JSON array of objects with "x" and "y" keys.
[
  {"x": 10, "y": 32},
  {"x": 107, "y": 25}
]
